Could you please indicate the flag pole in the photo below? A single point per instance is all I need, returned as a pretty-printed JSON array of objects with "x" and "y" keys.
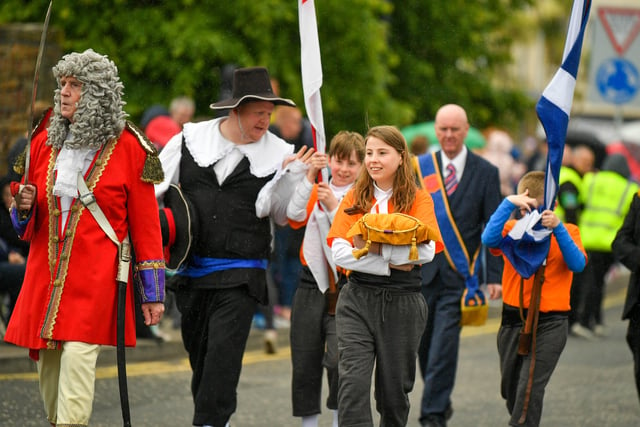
[{"x": 311, "y": 68}]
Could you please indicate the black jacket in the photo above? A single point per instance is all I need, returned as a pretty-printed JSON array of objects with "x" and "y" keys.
[{"x": 626, "y": 249}]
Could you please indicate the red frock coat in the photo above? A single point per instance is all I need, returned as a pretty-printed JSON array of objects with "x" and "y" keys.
[{"x": 69, "y": 291}]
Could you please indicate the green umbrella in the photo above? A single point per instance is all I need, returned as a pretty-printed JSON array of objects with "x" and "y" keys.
[{"x": 474, "y": 139}]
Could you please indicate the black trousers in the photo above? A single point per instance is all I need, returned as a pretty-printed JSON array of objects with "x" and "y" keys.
[
  {"x": 11, "y": 277},
  {"x": 633, "y": 339},
  {"x": 215, "y": 327},
  {"x": 590, "y": 307}
]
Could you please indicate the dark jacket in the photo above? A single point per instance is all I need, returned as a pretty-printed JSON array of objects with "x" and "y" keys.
[
  {"x": 626, "y": 249},
  {"x": 228, "y": 225}
]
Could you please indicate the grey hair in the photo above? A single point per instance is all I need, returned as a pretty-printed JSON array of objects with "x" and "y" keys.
[{"x": 99, "y": 116}]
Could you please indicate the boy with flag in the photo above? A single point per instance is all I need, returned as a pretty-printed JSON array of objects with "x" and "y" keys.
[{"x": 527, "y": 361}]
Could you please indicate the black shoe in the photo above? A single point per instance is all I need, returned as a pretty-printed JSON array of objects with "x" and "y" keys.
[
  {"x": 448, "y": 413},
  {"x": 434, "y": 421}
]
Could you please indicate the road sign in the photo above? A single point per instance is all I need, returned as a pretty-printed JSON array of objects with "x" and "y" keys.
[
  {"x": 618, "y": 81},
  {"x": 614, "y": 79},
  {"x": 621, "y": 25}
]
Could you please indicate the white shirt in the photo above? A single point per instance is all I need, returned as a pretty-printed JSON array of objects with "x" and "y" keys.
[{"x": 316, "y": 252}]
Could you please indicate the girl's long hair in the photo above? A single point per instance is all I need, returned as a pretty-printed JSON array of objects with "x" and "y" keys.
[{"x": 404, "y": 185}]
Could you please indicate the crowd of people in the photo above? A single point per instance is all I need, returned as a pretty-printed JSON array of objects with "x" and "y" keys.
[{"x": 237, "y": 214}]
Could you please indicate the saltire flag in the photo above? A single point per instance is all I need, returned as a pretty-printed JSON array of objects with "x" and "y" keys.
[
  {"x": 527, "y": 245},
  {"x": 311, "y": 67}
]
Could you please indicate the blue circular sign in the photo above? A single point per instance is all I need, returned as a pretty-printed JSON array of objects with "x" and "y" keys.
[{"x": 618, "y": 80}]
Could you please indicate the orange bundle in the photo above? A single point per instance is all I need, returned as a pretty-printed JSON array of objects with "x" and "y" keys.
[{"x": 393, "y": 229}]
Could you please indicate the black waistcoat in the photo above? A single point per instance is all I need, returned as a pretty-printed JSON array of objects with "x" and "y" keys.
[{"x": 227, "y": 223}]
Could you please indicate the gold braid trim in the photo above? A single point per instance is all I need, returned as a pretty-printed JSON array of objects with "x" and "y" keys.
[
  {"x": 60, "y": 245},
  {"x": 152, "y": 171},
  {"x": 21, "y": 161}
]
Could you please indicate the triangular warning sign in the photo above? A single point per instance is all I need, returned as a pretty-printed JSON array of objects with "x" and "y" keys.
[{"x": 622, "y": 25}]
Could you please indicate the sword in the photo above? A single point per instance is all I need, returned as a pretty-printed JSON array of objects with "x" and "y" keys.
[
  {"x": 122, "y": 277},
  {"x": 34, "y": 92},
  {"x": 88, "y": 200}
]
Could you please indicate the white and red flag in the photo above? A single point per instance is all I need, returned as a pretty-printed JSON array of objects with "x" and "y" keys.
[{"x": 311, "y": 66}]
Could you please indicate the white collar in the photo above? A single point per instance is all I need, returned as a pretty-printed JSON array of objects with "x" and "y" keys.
[
  {"x": 339, "y": 192},
  {"x": 207, "y": 145},
  {"x": 382, "y": 199}
]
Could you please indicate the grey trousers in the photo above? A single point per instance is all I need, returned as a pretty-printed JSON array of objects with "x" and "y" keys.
[
  {"x": 381, "y": 327},
  {"x": 314, "y": 347},
  {"x": 514, "y": 369}
]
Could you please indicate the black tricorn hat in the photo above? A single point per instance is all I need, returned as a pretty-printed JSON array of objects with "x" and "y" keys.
[
  {"x": 251, "y": 84},
  {"x": 178, "y": 225}
]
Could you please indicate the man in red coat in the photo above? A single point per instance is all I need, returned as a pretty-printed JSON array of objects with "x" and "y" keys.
[{"x": 66, "y": 309}]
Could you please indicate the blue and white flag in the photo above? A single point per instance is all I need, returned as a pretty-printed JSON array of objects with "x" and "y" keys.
[
  {"x": 554, "y": 106},
  {"x": 527, "y": 245}
]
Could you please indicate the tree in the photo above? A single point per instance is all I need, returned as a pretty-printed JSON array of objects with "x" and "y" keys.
[
  {"x": 384, "y": 62},
  {"x": 452, "y": 52}
]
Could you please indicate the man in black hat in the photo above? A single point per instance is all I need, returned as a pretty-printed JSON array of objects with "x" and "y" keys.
[{"x": 235, "y": 174}]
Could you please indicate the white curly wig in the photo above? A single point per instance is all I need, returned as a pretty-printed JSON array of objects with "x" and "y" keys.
[{"x": 99, "y": 116}]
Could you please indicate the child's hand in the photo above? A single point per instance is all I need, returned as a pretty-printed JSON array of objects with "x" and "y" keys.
[
  {"x": 316, "y": 163},
  {"x": 326, "y": 196},
  {"x": 523, "y": 201},
  {"x": 549, "y": 219}
]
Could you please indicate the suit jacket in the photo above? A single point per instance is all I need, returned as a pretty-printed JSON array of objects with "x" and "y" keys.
[
  {"x": 476, "y": 198},
  {"x": 626, "y": 249}
]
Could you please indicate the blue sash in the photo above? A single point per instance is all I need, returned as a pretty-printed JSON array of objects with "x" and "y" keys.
[
  {"x": 454, "y": 248},
  {"x": 200, "y": 266}
]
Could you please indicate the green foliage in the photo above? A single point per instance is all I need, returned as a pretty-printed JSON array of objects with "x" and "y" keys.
[
  {"x": 453, "y": 51},
  {"x": 384, "y": 62}
]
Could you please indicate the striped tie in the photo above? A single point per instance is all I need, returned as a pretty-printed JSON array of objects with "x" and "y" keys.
[{"x": 451, "y": 182}]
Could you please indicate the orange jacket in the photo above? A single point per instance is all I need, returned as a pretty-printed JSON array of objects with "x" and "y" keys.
[{"x": 556, "y": 288}]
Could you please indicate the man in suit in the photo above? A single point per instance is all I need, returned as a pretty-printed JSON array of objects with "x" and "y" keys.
[{"x": 466, "y": 191}]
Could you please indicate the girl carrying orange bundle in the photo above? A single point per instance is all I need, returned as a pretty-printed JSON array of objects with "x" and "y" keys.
[{"x": 380, "y": 314}]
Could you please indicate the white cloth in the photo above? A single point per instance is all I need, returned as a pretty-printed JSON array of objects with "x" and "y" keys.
[
  {"x": 315, "y": 250},
  {"x": 382, "y": 199},
  {"x": 68, "y": 163},
  {"x": 208, "y": 147}
]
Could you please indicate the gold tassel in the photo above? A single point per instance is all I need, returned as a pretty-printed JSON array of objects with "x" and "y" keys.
[
  {"x": 359, "y": 253},
  {"x": 413, "y": 252},
  {"x": 152, "y": 171}
]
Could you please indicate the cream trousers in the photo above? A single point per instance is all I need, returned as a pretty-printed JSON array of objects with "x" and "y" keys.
[{"x": 67, "y": 382}]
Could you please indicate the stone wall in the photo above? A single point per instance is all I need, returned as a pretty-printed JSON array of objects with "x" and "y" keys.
[{"x": 19, "y": 45}]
